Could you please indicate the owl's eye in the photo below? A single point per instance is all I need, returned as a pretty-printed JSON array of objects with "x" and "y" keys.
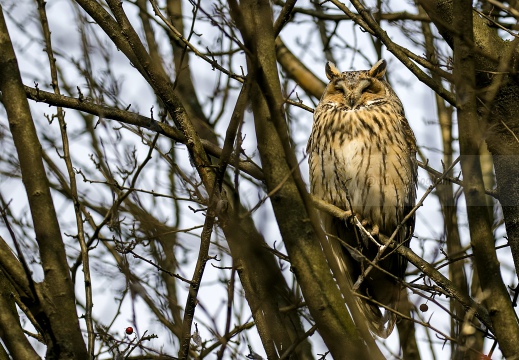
[
  {"x": 372, "y": 88},
  {"x": 339, "y": 87}
]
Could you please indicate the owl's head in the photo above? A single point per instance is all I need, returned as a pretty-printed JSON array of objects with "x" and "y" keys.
[{"x": 357, "y": 89}]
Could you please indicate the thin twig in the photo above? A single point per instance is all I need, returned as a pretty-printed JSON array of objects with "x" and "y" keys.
[
  {"x": 365, "y": 20},
  {"x": 421, "y": 264},
  {"x": 181, "y": 37},
  {"x": 159, "y": 267},
  {"x": 73, "y": 184}
]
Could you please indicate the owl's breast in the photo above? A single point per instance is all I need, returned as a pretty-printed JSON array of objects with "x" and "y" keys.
[{"x": 361, "y": 159}]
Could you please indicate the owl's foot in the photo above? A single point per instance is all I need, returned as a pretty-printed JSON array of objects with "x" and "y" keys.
[
  {"x": 374, "y": 231},
  {"x": 347, "y": 215}
]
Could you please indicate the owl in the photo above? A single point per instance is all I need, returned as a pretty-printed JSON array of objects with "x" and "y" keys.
[{"x": 362, "y": 158}]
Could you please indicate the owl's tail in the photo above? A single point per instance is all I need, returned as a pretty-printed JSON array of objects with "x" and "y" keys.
[{"x": 376, "y": 285}]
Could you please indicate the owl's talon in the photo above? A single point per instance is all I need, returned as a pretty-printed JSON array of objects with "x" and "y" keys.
[
  {"x": 347, "y": 215},
  {"x": 375, "y": 230}
]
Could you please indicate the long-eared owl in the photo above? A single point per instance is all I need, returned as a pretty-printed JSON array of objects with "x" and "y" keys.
[{"x": 362, "y": 157}]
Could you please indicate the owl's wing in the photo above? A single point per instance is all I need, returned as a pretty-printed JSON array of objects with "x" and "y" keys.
[
  {"x": 315, "y": 129},
  {"x": 309, "y": 145},
  {"x": 407, "y": 231},
  {"x": 411, "y": 194}
]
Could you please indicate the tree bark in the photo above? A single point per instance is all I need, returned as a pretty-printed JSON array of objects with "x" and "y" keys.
[
  {"x": 498, "y": 301},
  {"x": 11, "y": 332},
  {"x": 56, "y": 293},
  {"x": 498, "y": 86}
]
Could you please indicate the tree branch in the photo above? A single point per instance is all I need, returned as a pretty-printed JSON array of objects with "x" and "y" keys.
[
  {"x": 131, "y": 118},
  {"x": 500, "y": 308},
  {"x": 65, "y": 338}
]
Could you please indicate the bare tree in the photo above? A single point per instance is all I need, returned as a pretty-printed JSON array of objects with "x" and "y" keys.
[{"x": 154, "y": 197}]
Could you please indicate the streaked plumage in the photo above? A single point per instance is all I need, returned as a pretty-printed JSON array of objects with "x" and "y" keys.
[{"x": 362, "y": 158}]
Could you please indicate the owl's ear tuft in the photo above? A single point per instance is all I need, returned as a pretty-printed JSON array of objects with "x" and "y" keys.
[
  {"x": 379, "y": 69},
  {"x": 331, "y": 70}
]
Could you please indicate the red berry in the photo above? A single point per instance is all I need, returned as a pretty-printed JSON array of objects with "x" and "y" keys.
[{"x": 129, "y": 330}]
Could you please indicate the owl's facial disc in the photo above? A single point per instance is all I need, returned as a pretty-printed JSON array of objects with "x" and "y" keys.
[{"x": 358, "y": 94}]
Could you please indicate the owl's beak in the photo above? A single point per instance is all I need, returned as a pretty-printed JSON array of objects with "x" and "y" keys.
[{"x": 353, "y": 99}]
